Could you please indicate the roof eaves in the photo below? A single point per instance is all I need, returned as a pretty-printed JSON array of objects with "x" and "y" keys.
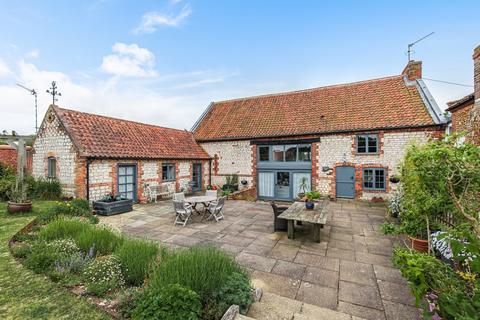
[
  {"x": 202, "y": 116},
  {"x": 430, "y": 102},
  {"x": 321, "y": 133},
  {"x": 460, "y": 102}
]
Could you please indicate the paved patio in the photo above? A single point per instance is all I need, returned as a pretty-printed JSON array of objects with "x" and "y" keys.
[{"x": 349, "y": 271}]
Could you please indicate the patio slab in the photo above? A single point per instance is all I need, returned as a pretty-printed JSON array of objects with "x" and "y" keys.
[{"x": 349, "y": 271}]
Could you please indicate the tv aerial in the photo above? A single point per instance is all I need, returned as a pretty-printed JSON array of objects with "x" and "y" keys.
[
  {"x": 34, "y": 93},
  {"x": 410, "y": 45}
]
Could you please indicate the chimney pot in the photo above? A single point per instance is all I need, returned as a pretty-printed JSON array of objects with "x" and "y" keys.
[{"x": 413, "y": 70}]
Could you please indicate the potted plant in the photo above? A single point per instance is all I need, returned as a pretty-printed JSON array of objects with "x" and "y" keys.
[
  {"x": 18, "y": 201},
  {"x": 394, "y": 178},
  {"x": 311, "y": 195},
  {"x": 417, "y": 227},
  {"x": 303, "y": 187}
]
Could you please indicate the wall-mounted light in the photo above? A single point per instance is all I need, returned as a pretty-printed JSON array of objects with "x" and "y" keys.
[{"x": 326, "y": 168}]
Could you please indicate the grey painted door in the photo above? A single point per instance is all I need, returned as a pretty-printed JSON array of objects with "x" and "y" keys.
[
  {"x": 197, "y": 177},
  {"x": 345, "y": 182}
]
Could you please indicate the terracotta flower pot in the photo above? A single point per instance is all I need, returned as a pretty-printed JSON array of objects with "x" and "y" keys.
[
  {"x": 419, "y": 244},
  {"x": 13, "y": 207}
]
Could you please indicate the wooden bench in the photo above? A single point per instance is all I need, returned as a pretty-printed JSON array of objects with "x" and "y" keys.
[
  {"x": 161, "y": 190},
  {"x": 297, "y": 212}
]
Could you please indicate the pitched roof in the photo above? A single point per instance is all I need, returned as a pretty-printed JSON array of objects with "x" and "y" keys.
[
  {"x": 366, "y": 105},
  {"x": 104, "y": 137},
  {"x": 457, "y": 103}
]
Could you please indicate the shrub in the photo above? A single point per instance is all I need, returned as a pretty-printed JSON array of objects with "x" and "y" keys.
[
  {"x": 102, "y": 239},
  {"x": 74, "y": 263},
  {"x": 103, "y": 274},
  {"x": 73, "y": 208},
  {"x": 65, "y": 228},
  {"x": 136, "y": 257},
  {"x": 44, "y": 189},
  {"x": 235, "y": 290},
  {"x": 202, "y": 269},
  {"x": 128, "y": 300},
  {"x": 172, "y": 302},
  {"x": 42, "y": 258},
  {"x": 441, "y": 290},
  {"x": 442, "y": 177},
  {"x": 21, "y": 250},
  {"x": 7, "y": 181}
]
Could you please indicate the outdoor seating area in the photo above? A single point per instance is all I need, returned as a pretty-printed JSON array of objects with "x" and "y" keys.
[
  {"x": 208, "y": 204},
  {"x": 349, "y": 271}
]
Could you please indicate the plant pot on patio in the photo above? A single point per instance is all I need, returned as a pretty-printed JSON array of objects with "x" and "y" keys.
[
  {"x": 14, "y": 207},
  {"x": 419, "y": 244},
  {"x": 113, "y": 205}
]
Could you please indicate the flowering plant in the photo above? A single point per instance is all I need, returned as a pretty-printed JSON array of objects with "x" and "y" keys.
[{"x": 103, "y": 274}]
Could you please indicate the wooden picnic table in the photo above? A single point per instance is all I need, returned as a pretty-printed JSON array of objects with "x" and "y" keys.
[{"x": 298, "y": 212}]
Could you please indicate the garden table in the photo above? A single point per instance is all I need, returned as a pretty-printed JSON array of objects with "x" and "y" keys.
[
  {"x": 204, "y": 200},
  {"x": 298, "y": 212}
]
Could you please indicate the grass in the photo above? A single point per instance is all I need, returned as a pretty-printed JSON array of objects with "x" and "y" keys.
[{"x": 26, "y": 295}]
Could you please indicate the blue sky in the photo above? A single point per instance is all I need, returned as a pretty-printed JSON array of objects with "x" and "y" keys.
[{"x": 162, "y": 62}]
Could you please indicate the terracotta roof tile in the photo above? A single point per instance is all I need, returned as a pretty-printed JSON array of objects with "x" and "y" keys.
[
  {"x": 105, "y": 137},
  {"x": 379, "y": 103}
]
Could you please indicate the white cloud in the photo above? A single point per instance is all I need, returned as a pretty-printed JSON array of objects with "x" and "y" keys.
[
  {"x": 176, "y": 101},
  {"x": 34, "y": 54},
  {"x": 4, "y": 69},
  {"x": 130, "y": 61},
  {"x": 152, "y": 20}
]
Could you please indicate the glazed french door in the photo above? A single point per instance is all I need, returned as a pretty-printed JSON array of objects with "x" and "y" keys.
[{"x": 127, "y": 182}]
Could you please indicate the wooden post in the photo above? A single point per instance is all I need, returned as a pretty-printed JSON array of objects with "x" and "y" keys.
[
  {"x": 291, "y": 229},
  {"x": 316, "y": 232}
]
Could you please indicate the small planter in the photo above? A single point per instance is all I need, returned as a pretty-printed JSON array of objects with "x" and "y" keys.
[
  {"x": 14, "y": 207},
  {"x": 394, "y": 179},
  {"x": 309, "y": 205},
  {"x": 419, "y": 244},
  {"x": 108, "y": 208}
]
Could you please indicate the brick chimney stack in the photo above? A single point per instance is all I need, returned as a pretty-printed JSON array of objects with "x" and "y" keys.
[
  {"x": 474, "y": 120},
  {"x": 413, "y": 70},
  {"x": 476, "y": 74}
]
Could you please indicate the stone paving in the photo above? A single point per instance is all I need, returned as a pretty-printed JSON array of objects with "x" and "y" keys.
[{"x": 350, "y": 270}]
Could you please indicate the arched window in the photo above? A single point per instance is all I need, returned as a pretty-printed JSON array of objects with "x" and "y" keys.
[{"x": 52, "y": 167}]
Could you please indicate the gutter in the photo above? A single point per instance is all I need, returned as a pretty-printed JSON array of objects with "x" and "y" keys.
[{"x": 88, "y": 179}]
